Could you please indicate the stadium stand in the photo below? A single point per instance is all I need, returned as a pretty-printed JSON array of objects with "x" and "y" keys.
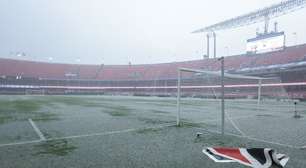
[{"x": 290, "y": 62}]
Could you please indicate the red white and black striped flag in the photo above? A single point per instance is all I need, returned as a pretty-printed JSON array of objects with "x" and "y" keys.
[{"x": 253, "y": 157}]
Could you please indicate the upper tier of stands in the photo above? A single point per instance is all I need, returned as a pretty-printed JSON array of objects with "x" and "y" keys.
[{"x": 10, "y": 67}]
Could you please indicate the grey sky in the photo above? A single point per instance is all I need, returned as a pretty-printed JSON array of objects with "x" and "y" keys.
[{"x": 119, "y": 31}]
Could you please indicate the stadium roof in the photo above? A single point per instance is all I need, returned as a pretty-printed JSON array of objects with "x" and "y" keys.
[{"x": 260, "y": 15}]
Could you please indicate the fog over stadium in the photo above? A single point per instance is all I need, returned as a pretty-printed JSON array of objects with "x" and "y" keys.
[
  {"x": 139, "y": 83},
  {"x": 136, "y": 31}
]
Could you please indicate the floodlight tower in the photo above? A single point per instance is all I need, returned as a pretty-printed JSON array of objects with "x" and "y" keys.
[{"x": 261, "y": 15}]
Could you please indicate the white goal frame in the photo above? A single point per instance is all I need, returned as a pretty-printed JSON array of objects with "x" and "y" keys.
[{"x": 215, "y": 73}]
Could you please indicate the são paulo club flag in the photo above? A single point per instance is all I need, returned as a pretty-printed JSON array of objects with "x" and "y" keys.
[{"x": 253, "y": 157}]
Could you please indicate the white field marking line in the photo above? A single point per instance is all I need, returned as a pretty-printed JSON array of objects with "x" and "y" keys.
[
  {"x": 36, "y": 129},
  {"x": 232, "y": 122},
  {"x": 251, "y": 138},
  {"x": 213, "y": 120},
  {"x": 85, "y": 135},
  {"x": 79, "y": 116},
  {"x": 20, "y": 143},
  {"x": 235, "y": 125},
  {"x": 109, "y": 133}
]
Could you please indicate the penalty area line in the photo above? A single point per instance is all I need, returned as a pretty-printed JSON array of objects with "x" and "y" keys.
[
  {"x": 110, "y": 132},
  {"x": 85, "y": 135},
  {"x": 215, "y": 120},
  {"x": 251, "y": 138},
  {"x": 36, "y": 129},
  {"x": 20, "y": 143},
  {"x": 235, "y": 125}
]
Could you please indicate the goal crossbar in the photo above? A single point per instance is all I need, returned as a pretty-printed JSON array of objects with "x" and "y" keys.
[{"x": 217, "y": 73}]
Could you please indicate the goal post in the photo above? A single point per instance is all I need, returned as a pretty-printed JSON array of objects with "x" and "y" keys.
[{"x": 221, "y": 75}]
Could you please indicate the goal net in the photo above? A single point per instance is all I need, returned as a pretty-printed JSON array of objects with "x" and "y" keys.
[{"x": 254, "y": 107}]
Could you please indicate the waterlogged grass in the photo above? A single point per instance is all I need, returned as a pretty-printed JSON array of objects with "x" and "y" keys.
[
  {"x": 197, "y": 103},
  {"x": 161, "y": 104},
  {"x": 59, "y": 147},
  {"x": 27, "y": 106},
  {"x": 116, "y": 113},
  {"x": 45, "y": 117},
  {"x": 5, "y": 119},
  {"x": 208, "y": 139},
  {"x": 265, "y": 115},
  {"x": 73, "y": 100},
  {"x": 55, "y": 147},
  {"x": 40, "y": 108},
  {"x": 159, "y": 112},
  {"x": 250, "y": 108},
  {"x": 147, "y": 100},
  {"x": 190, "y": 125},
  {"x": 148, "y": 130},
  {"x": 22, "y": 109},
  {"x": 302, "y": 111},
  {"x": 153, "y": 120},
  {"x": 67, "y": 100}
]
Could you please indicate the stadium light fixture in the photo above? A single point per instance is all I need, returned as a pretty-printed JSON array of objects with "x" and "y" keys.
[{"x": 261, "y": 15}]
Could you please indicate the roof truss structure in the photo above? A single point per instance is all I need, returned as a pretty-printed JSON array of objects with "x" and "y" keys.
[{"x": 261, "y": 15}]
